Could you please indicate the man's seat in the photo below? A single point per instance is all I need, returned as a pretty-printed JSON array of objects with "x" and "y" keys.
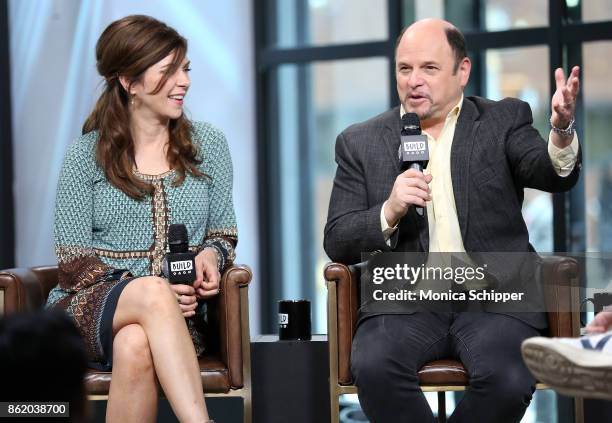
[
  {"x": 225, "y": 369},
  {"x": 442, "y": 375}
]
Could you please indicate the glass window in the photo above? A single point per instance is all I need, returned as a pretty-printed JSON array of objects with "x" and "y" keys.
[
  {"x": 597, "y": 95},
  {"x": 460, "y": 12},
  {"x": 325, "y": 22},
  {"x": 597, "y": 100},
  {"x": 428, "y": 9},
  {"x": 523, "y": 73},
  {"x": 594, "y": 10},
  {"x": 316, "y": 103},
  {"x": 500, "y": 15}
]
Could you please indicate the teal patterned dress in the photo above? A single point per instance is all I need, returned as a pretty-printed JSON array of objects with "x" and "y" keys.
[{"x": 104, "y": 239}]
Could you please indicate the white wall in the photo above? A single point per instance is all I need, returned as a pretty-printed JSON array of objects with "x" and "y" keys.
[{"x": 55, "y": 84}]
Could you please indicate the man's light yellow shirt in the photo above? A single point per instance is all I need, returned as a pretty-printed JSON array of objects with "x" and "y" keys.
[{"x": 444, "y": 230}]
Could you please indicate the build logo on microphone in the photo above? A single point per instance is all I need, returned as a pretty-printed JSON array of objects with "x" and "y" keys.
[
  {"x": 181, "y": 266},
  {"x": 414, "y": 146}
]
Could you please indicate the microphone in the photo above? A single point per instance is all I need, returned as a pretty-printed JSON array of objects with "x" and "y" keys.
[
  {"x": 179, "y": 264},
  {"x": 414, "y": 152}
]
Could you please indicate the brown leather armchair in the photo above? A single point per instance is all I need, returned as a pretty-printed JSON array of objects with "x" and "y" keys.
[
  {"x": 226, "y": 370},
  {"x": 442, "y": 375}
]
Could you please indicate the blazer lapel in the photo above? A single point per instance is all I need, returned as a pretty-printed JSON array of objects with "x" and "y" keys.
[
  {"x": 391, "y": 139},
  {"x": 461, "y": 151}
]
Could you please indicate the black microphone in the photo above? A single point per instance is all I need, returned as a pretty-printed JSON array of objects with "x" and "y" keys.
[
  {"x": 179, "y": 264},
  {"x": 414, "y": 152}
]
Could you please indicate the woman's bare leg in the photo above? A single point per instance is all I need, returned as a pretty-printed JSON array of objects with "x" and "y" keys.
[
  {"x": 150, "y": 303},
  {"x": 133, "y": 391}
]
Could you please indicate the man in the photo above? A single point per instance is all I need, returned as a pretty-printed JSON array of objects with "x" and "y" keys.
[{"x": 482, "y": 154}]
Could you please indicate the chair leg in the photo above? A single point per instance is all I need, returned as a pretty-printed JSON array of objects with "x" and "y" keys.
[
  {"x": 579, "y": 410},
  {"x": 334, "y": 400},
  {"x": 441, "y": 407},
  {"x": 248, "y": 410}
]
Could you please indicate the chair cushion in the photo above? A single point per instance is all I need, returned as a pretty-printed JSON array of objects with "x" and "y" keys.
[
  {"x": 443, "y": 372},
  {"x": 215, "y": 377}
]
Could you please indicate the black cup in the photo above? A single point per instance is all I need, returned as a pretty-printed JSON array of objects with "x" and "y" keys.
[
  {"x": 294, "y": 320},
  {"x": 600, "y": 301}
]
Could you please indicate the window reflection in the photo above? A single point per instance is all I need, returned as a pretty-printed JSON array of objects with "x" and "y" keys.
[
  {"x": 502, "y": 15},
  {"x": 523, "y": 73},
  {"x": 595, "y": 10},
  {"x": 319, "y": 100},
  {"x": 597, "y": 95},
  {"x": 325, "y": 22}
]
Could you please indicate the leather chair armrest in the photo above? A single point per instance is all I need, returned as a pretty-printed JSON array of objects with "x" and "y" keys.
[
  {"x": 232, "y": 311},
  {"x": 23, "y": 290},
  {"x": 346, "y": 279},
  {"x": 560, "y": 277}
]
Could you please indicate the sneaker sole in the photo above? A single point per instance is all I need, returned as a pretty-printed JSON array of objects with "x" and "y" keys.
[{"x": 570, "y": 371}]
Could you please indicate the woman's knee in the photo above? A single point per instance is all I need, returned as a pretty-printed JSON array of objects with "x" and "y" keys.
[
  {"x": 151, "y": 293},
  {"x": 131, "y": 350}
]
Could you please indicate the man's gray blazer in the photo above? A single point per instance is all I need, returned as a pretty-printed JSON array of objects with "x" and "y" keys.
[{"x": 496, "y": 152}]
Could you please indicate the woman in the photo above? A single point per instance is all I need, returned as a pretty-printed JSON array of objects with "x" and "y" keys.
[{"x": 139, "y": 166}]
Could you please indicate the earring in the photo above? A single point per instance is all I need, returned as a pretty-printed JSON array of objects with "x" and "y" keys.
[{"x": 132, "y": 99}]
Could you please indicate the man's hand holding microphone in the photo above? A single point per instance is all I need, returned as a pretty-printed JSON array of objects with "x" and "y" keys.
[{"x": 411, "y": 187}]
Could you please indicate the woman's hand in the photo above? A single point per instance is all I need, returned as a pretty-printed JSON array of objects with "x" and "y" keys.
[
  {"x": 186, "y": 297},
  {"x": 207, "y": 274}
]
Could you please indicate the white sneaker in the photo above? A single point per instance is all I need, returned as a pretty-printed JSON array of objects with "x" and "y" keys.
[{"x": 577, "y": 367}]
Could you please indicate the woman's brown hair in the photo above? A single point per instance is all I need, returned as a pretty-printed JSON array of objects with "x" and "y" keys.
[{"x": 127, "y": 48}]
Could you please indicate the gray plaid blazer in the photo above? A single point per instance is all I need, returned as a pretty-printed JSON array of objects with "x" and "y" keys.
[{"x": 496, "y": 153}]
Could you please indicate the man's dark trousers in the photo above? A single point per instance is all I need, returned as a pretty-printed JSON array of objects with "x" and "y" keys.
[{"x": 388, "y": 350}]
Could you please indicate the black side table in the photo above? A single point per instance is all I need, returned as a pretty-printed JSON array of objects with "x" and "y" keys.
[{"x": 290, "y": 380}]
